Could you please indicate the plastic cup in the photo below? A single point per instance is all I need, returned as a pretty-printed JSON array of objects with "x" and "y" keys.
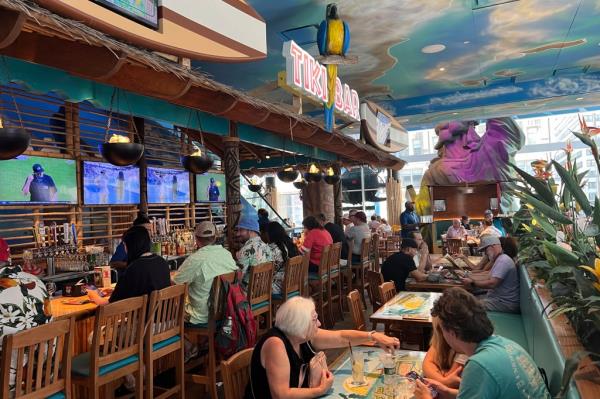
[{"x": 358, "y": 368}]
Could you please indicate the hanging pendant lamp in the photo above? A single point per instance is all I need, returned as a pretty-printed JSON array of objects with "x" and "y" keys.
[
  {"x": 330, "y": 177},
  {"x": 314, "y": 174}
]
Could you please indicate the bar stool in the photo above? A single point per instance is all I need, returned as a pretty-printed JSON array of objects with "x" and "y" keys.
[
  {"x": 318, "y": 282},
  {"x": 335, "y": 280},
  {"x": 48, "y": 345},
  {"x": 375, "y": 279},
  {"x": 207, "y": 332},
  {"x": 346, "y": 272},
  {"x": 117, "y": 347},
  {"x": 293, "y": 282},
  {"x": 164, "y": 336},
  {"x": 260, "y": 289},
  {"x": 360, "y": 268},
  {"x": 374, "y": 252}
]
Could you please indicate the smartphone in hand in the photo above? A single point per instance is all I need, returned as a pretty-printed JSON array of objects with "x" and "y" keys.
[{"x": 413, "y": 375}]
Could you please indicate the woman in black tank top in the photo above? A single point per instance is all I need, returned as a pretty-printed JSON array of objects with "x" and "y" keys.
[{"x": 281, "y": 358}]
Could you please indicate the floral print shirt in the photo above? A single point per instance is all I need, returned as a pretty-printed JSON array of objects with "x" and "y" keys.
[
  {"x": 24, "y": 304},
  {"x": 253, "y": 253},
  {"x": 278, "y": 268}
]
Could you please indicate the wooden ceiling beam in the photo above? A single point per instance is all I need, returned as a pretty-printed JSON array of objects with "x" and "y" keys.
[{"x": 12, "y": 23}]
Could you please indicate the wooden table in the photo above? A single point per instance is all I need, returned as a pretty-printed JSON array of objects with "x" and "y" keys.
[
  {"x": 408, "y": 311},
  {"x": 84, "y": 319},
  {"x": 426, "y": 286},
  {"x": 342, "y": 372}
]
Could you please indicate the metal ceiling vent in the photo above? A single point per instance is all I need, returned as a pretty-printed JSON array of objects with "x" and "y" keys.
[{"x": 479, "y": 4}]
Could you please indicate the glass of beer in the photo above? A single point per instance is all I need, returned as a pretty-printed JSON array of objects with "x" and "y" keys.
[{"x": 358, "y": 368}]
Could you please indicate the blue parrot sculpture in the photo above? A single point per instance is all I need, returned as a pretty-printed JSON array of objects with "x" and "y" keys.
[{"x": 333, "y": 38}]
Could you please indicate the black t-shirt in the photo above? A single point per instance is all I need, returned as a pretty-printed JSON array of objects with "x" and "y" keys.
[
  {"x": 40, "y": 188},
  {"x": 396, "y": 268},
  {"x": 142, "y": 276},
  {"x": 337, "y": 234}
]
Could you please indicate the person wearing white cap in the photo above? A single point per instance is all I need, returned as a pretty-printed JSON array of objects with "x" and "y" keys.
[
  {"x": 503, "y": 283},
  {"x": 200, "y": 269}
]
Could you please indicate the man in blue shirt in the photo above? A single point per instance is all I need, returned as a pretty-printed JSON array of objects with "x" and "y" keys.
[
  {"x": 409, "y": 220},
  {"x": 497, "y": 368},
  {"x": 212, "y": 190},
  {"x": 40, "y": 186}
]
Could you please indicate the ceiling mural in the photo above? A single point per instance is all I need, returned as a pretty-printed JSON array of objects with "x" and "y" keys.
[{"x": 427, "y": 61}]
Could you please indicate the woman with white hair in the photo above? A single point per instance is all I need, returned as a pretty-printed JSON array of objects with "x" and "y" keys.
[
  {"x": 281, "y": 358},
  {"x": 456, "y": 230}
]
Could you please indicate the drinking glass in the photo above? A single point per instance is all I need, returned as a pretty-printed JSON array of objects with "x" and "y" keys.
[
  {"x": 405, "y": 387},
  {"x": 358, "y": 368}
]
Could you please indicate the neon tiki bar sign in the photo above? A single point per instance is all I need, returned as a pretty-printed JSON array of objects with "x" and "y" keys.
[{"x": 310, "y": 77}]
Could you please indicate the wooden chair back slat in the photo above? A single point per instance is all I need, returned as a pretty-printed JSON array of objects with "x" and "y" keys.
[
  {"x": 216, "y": 307},
  {"x": 335, "y": 253},
  {"x": 365, "y": 248},
  {"x": 387, "y": 291},
  {"x": 454, "y": 245},
  {"x": 259, "y": 286},
  {"x": 293, "y": 276},
  {"x": 236, "y": 374},
  {"x": 375, "y": 279},
  {"x": 305, "y": 265},
  {"x": 47, "y": 349},
  {"x": 324, "y": 264},
  {"x": 356, "y": 310},
  {"x": 118, "y": 331},
  {"x": 167, "y": 306},
  {"x": 374, "y": 251}
]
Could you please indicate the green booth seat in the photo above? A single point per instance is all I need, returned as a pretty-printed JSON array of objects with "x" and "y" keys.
[{"x": 532, "y": 330}]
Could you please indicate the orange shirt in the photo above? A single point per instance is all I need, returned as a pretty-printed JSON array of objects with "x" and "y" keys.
[{"x": 314, "y": 241}]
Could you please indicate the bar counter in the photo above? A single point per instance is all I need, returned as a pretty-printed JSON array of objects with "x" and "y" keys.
[{"x": 84, "y": 319}]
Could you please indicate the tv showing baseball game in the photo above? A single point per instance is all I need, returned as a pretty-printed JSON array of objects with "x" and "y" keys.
[
  {"x": 168, "y": 186},
  {"x": 104, "y": 183},
  {"x": 210, "y": 187},
  {"x": 38, "y": 180}
]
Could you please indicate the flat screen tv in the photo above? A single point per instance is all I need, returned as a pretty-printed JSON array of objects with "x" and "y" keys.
[
  {"x": 210, "y": 187},
  {"x": 168, "y": 186},
  {"x": 104, "y": 183},
  {"x": 38, "y": 180}
]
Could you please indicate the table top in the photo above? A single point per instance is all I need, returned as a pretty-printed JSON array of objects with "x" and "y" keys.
[
  {"x": 412, "y": 285},
  {"x": 342, "y": 372},
  {"x": 407, "y": 306},
  {"x": 442, "y": 261},
  {"x": 61, "y": 308}
]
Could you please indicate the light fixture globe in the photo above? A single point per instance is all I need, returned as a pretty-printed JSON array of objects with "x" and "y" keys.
[{"x": 13, "y": 141}]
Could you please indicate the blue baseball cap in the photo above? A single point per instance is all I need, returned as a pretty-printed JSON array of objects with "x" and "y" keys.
[
  {"x": 37, "y": 168},
  {"x": 248, "y": 217}
]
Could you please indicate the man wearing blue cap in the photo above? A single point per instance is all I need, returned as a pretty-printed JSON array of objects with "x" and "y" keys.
[
  {"x": 255, "y": 251},
  {"x": 40, "y": 186}
]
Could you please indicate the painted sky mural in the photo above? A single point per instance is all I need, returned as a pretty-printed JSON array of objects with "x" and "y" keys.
[{"x": 427, "y": 61}]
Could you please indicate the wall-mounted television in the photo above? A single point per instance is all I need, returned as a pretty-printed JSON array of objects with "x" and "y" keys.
[
  {"x": 210, "y": 187},
  {"x": 142, "y": 11},
  {"x": 168, "y": 186},
  {"x": 38, "y": 180},
  {"x": 104, "y": 183}
]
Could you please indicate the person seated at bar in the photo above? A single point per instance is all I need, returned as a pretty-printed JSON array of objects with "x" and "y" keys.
[
  {"x": 280, "y": 361},
  {"x": 465, "y": 222},
  {"x": 337, "y": 234},
  {"x": 399, "y": 266},
  {"x": 200, "y": 269},
  {"x": 24, "y": 302},
  {"x": 119, "y": 258},
  {"x": 146, "y": 272},
  {"x": 409, "y": 220},
  {"x": 282, "y": 248},
  {"x": 488, "y": 220},
  {"x": 374, "y": 223},
  {"x": 384, "y": 228},
  {"x": 358, "y": 233},
  {"x": 441, "y": 362},
  {"x": 456, "y": 230},
  {"x": 347, "y": 219},
  {"x": 497, "y": 368},
  {"x": 254, "y": 251},
  {"x": 503, "y": 281},
  {"x": 315, "y": 239}
]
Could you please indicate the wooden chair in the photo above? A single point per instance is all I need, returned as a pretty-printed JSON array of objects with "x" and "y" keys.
[
  {"x": 346, "y": 271},
  {"x": 117, "y": 347},
  {"x": 361, "y": 267},
  {"x": 319, "y": 282},
  {"x": 293, "y": 282},
  {"x": 164, "y": 336},
  {"x": 260, "y": 289},
  {"x": 305, "y": 263},
  {"x": 375, "y": 279},
  {"x": 454, "y": 245},
  {"x": 387, "y": 291},
  {"x": 334, "y": 286},
  {"x": 47, "y": 372},
  {"x": 392, "y": 245},
  {"x": 356, "y": 310},
  {"x": 207, "y": 333},
  {"x": 374, "y": 252},
  {"x": 236, "y": 374}
]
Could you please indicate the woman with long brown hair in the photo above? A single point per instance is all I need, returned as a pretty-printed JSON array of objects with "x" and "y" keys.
[{"x": 441, "y": 362}]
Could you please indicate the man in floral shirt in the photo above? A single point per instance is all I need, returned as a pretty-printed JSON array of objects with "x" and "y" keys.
[
  {"x": 24, "y": 301},
  {"x": 255, "y": 251}
]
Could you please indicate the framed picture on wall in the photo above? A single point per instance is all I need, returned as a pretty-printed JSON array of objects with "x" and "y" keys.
[
  {"x": 493, "y": 204},
  {"x": 439, "y": 205}
]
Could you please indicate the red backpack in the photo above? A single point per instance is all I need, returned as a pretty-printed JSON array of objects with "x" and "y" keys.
[{"x": 238, "y": 329}]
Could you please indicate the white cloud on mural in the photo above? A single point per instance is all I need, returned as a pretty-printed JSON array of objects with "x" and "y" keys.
[
  {"x": 562, "y": 86},
  {"x": 457, "y": 98}
]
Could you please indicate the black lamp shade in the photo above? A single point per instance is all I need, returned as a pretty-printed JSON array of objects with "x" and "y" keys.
[
  {"x": 287, "y": 176},
  {"x": 122, "y": 154},
  {"x": 331, "y": 179},
  {"x": 254, "y": 187},
  {"x": 195, "y": 164},
  {"x": 13, "y": 142},
  {"x": 300, "y": 184},
  {"x": 313, "y": 177}
]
